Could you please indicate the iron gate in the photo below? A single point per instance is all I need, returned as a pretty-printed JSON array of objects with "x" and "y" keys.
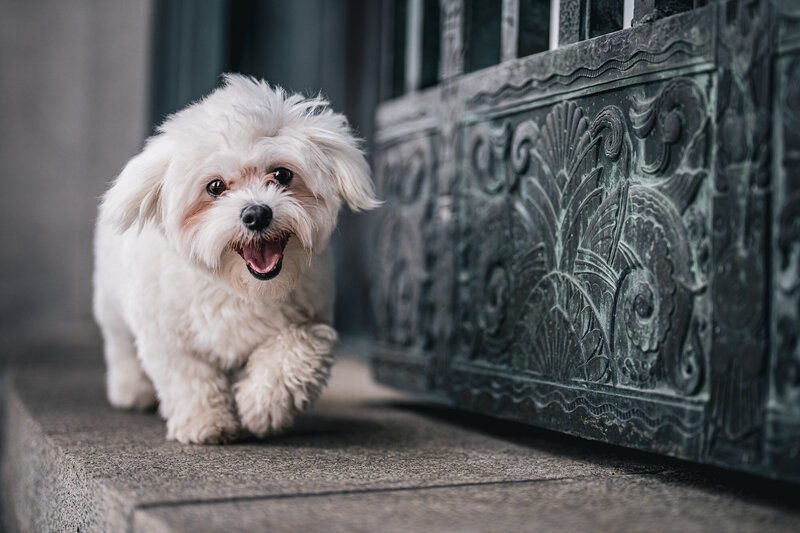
[{"x": 602, "y": 238}]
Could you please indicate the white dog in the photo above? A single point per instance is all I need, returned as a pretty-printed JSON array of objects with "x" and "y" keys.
[{"x": 212, "y": 262}]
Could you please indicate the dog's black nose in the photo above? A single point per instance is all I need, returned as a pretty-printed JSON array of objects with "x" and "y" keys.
[{"x": 257, "y": 217}]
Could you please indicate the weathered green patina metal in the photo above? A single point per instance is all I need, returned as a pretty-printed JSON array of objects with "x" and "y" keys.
[{"x": 604, "y": 239}]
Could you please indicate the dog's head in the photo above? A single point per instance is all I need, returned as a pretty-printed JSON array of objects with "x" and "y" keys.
[{"x": 246, "y": 184}]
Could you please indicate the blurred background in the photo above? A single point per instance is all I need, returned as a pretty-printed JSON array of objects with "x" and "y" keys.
[{"x": 83, "y": 83}]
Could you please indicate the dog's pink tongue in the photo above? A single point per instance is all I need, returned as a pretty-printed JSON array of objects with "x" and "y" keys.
[{"x": 263, "y": 257}]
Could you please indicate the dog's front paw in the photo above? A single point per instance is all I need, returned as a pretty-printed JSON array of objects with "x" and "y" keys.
[
  {"x": 211, "y": 426},
  {"x": 265, "y": 406},
  {"x": 130, "y": 390},
  {"x": 284, "y": 376}
]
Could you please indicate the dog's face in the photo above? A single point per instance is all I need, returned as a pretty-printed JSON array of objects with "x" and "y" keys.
[{"x": 245, "y": 184}]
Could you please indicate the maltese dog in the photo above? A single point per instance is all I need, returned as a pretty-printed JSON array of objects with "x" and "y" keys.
[{"x": 213, "y": 280}]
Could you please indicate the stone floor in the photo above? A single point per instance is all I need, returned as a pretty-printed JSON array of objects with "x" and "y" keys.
[{"x": 364, "y": 459}]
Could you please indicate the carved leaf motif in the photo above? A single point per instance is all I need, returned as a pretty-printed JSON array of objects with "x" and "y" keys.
[
  {"x": 563, "y": 340},
  {"x": 563, "y": 184},
  {"x": 609, "y": 262},
  {"x": 561, "y": 334}
]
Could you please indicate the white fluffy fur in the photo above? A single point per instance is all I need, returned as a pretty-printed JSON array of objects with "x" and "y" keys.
[{"x": 179, "y": 312}]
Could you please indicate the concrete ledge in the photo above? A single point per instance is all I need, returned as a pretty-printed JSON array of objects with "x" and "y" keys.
[{"x": 364, "y": 459}]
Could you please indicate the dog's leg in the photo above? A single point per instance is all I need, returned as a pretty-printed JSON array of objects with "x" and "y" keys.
[
  {"x": 284, "y": 375},
  {"x": 195, "y": 398},
  {"x": 127, "y": 386}
]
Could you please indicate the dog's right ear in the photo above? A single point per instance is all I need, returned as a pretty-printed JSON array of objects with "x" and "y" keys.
[{"x": 135, "y": 196}]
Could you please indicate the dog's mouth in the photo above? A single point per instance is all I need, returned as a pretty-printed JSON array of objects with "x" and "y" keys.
[{"x": 264, "y": 257}]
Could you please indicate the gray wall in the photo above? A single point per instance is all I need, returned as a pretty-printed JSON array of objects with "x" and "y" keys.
[{"x": 73, "y": 107}]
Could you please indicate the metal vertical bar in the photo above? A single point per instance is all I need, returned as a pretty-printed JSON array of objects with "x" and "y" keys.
[
  {"x": 650, "y": 10},
  {"x": 510, "y": 29},
  {"x": 627, "y": 17},
  {"x": 572, "y": 21},
  {"x": 413, "y": 45},
  {"x": 452, "y": 62},
  {"x": 642, "y": 9},
  {"x": 555, "y": 10}
]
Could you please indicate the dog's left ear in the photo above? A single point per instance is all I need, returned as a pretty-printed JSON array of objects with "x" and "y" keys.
[
  {"x": 135, "y": 196},
  {"x": 349, "y": 167}
]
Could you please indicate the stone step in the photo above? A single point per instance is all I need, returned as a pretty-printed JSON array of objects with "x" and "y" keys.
[{"x": 364, "y": 459}]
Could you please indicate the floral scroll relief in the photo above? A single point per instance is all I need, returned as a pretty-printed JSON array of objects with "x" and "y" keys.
[{"x": 589, "y": 277}]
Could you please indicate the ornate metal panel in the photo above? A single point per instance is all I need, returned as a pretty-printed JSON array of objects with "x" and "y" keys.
[{"x": 604, "y": 239}]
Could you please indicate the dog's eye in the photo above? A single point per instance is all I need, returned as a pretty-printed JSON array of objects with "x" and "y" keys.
[
  {"x": 282, "y": 175},
  {"x": 216, "y": 187}
]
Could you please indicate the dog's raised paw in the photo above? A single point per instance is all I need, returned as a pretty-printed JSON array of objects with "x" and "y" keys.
[{"x": 265, "y": 407}]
